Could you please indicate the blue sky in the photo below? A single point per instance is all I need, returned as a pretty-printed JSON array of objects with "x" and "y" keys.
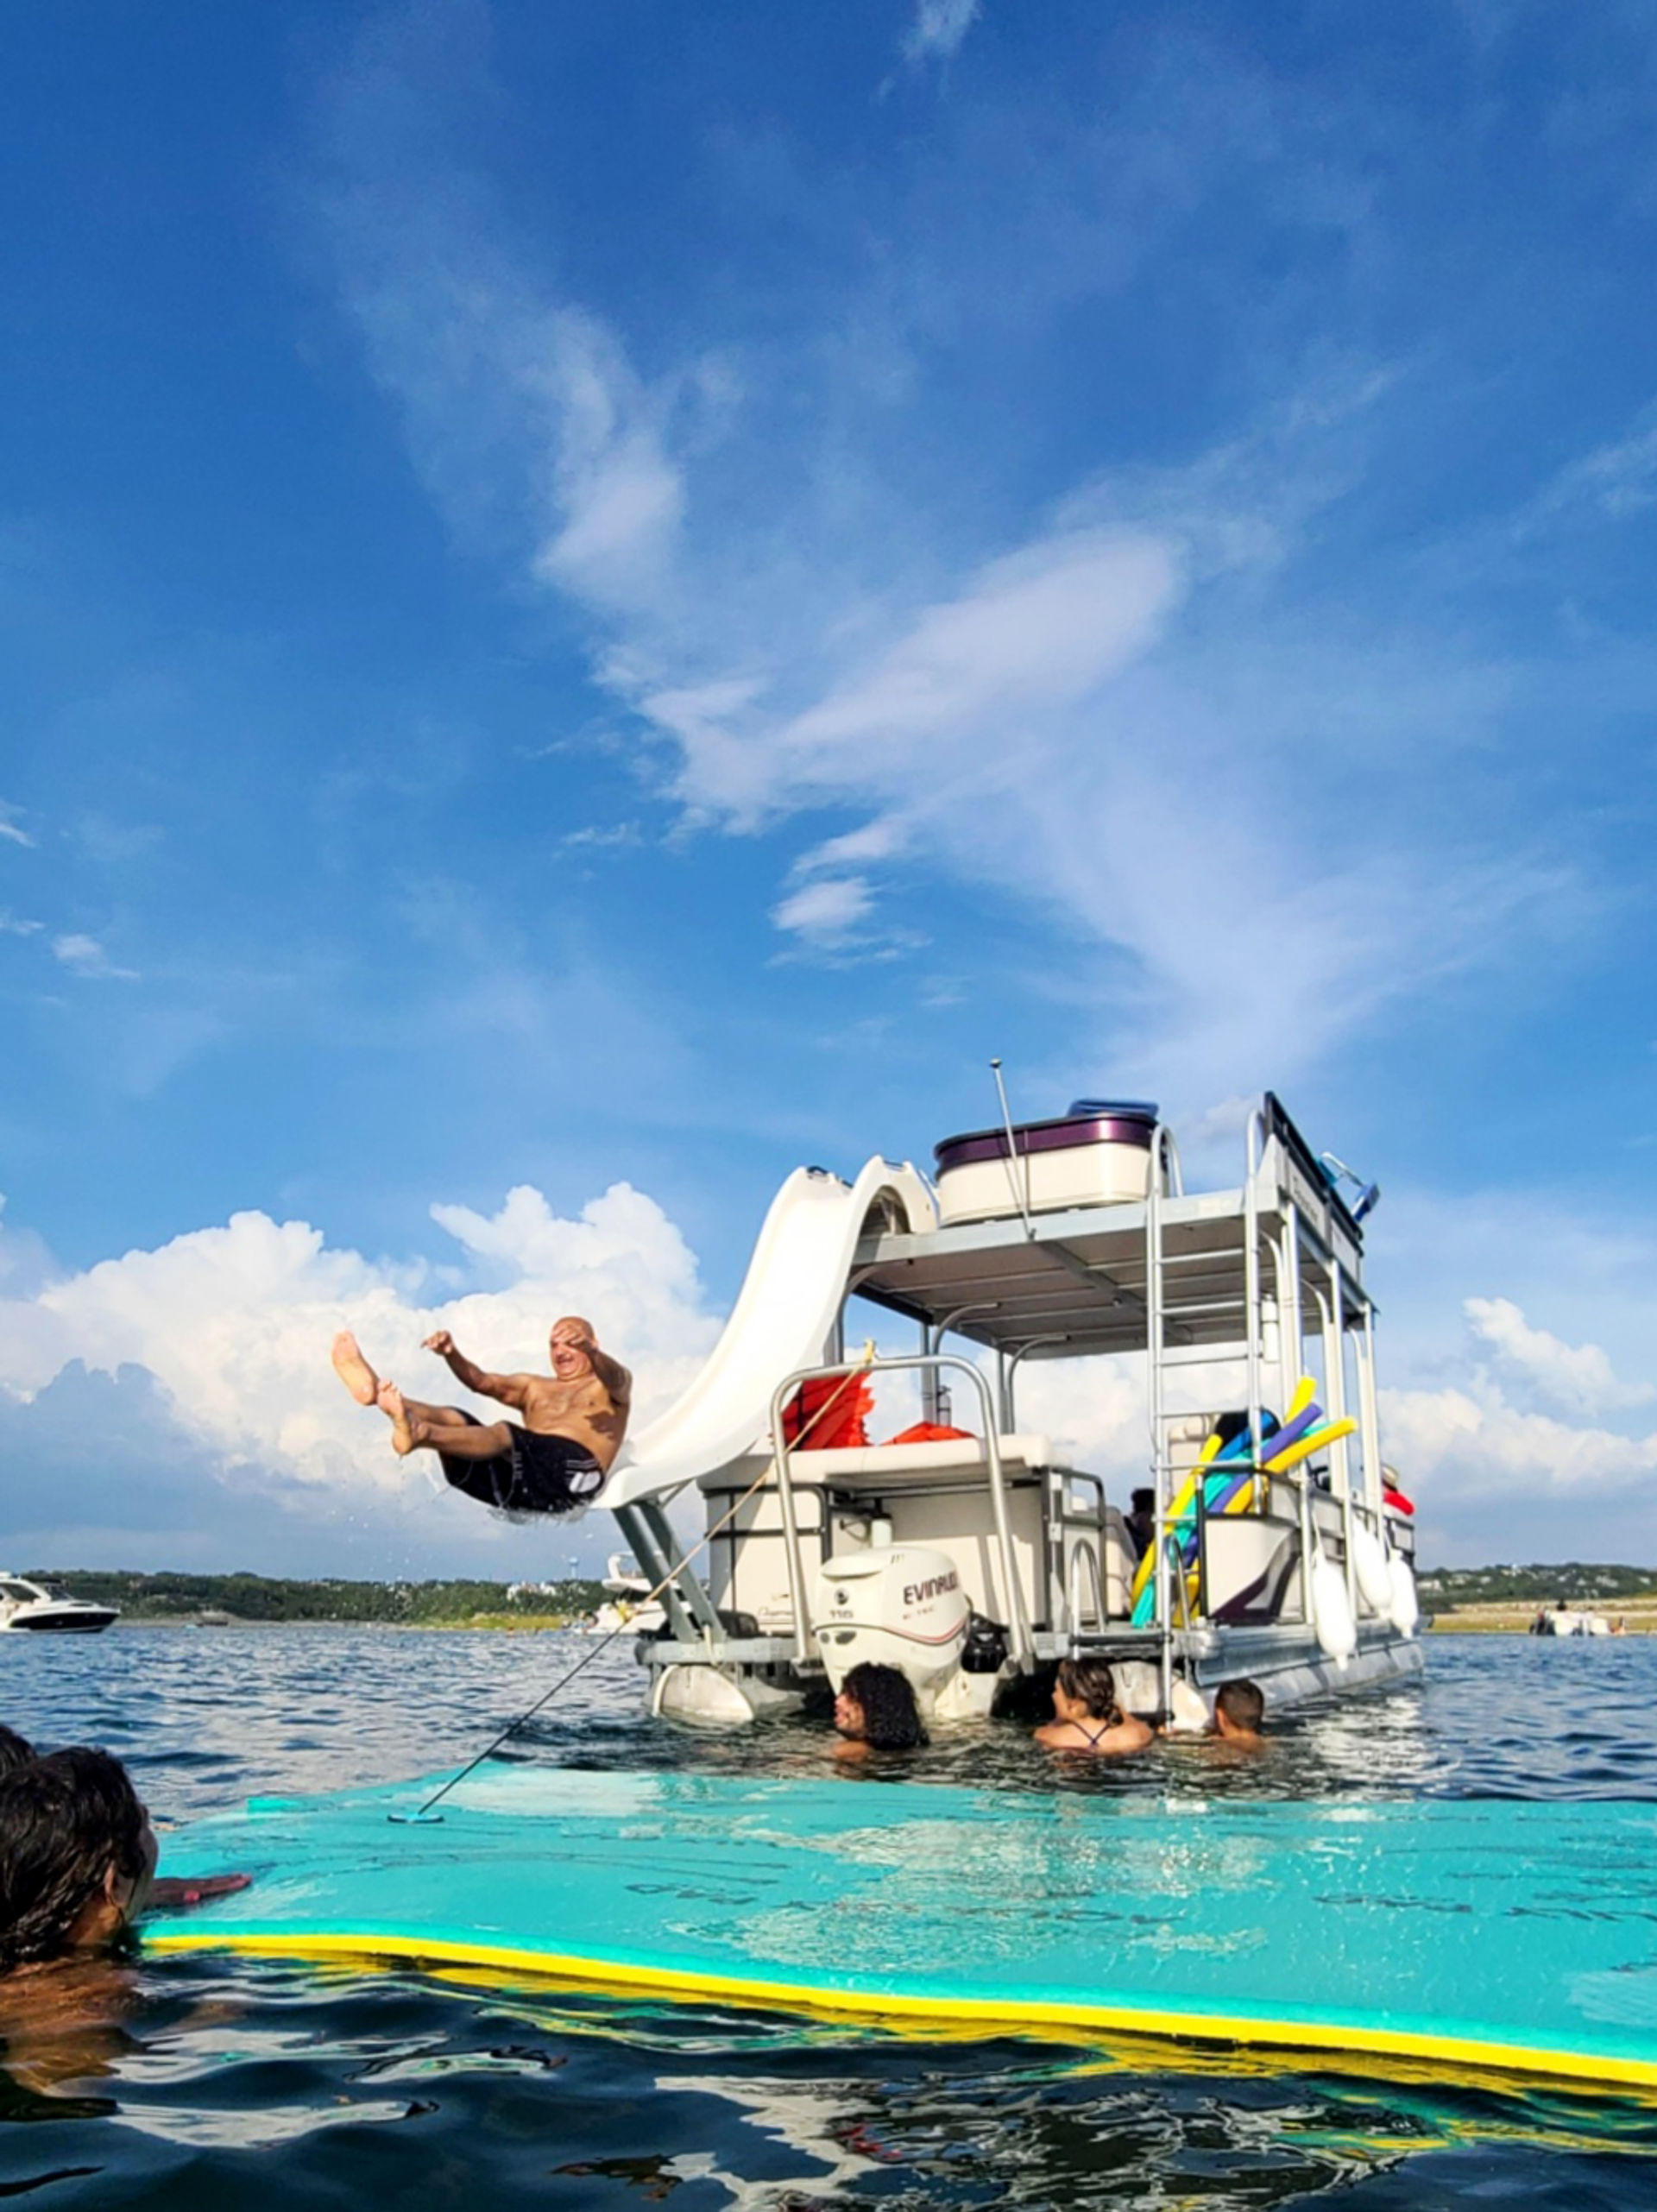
[{"x": 621, "y": 596}]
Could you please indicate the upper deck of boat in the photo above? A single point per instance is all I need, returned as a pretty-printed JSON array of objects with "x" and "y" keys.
[{"x": 1068, "y": 1285}]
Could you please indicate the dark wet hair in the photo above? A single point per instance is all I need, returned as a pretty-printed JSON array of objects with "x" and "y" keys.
[
  {"x": 1242, "y": 1703},
  {"x": 892, "y": 1719},
  {"x": 64, "y": 1821},
  {"x": 15, "y": 1751},
  {"x": 1092, "y": 1681}
]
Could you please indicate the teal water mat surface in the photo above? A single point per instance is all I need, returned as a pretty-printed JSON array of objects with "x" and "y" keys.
[{"x": 1454, "y": 1935}]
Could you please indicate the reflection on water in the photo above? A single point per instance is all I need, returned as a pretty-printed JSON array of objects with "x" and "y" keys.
[{"x": 211, "y": 2083}]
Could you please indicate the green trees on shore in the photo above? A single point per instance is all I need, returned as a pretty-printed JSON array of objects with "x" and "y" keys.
[{"x": 274, "y": 1597}]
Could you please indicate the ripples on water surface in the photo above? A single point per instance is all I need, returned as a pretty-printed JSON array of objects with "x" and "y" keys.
[{"x": 203, "y": 2083}]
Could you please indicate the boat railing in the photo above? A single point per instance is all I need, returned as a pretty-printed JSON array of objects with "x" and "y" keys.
[
  {"x": 1083, "y": 1555},
  {"x": 928, "y": 1363}
]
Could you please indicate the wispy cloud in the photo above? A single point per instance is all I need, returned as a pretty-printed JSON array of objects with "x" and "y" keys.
[
  {"x": 1073, "y": 712},
  {"x": 827, "y": 911},
  {"x": 938, "y": 27},
  {"x": 1616, "y": 480},
  {"x": 1577, "y": 1376},
  {"x": 524, "y": 416},
  {"x": 16, "y": 925},
  {"x": 10, "y": 828},
  {"x": 86, "y": 956}
]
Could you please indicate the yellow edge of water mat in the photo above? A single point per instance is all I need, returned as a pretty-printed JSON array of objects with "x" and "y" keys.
[{"x": 1011, "y": 2015}]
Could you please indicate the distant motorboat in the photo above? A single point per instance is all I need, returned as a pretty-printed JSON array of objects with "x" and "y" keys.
[
  {"x": 1563, "y": 1620},
  {"x": 42, "y": 1610},
  {"x": 629, "y": 1604}
]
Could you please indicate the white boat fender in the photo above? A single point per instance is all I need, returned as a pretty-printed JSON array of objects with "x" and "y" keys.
[
  {"x": 1404, "y": 1611},
  {"x": 1332, "y": 1609},
  {"x": 1371, "y": 1566}
]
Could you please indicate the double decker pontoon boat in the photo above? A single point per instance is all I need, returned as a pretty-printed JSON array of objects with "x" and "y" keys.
[{"x": 974, "y": 1558}]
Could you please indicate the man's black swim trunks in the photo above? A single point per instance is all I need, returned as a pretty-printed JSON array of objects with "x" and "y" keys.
[{"x": 539, "y": 1474}]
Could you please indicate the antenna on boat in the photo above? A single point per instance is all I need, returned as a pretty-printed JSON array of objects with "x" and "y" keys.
[{"x": 1020, "y": 1199}]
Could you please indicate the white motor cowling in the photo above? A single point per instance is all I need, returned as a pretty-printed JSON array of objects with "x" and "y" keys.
[{"x": 899, "y": 1605}]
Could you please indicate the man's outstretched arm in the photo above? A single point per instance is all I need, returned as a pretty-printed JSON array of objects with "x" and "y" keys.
[
  {"x": 508, "y": 1389},
  {"x": 612, "y": 1375}
]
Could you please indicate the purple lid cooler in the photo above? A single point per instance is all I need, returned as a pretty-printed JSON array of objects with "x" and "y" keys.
[{"x": 1097, "y": 1154}]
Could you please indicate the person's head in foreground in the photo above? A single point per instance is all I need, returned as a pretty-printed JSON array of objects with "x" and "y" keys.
[
  {"x": 1240, "y": 1709},
  {"x": 15, "y": 1751},
  {"x": 876, "y": 1706},
  {"x": 1084, "y": 1689},
  {"x": 76, "y": 1856}
]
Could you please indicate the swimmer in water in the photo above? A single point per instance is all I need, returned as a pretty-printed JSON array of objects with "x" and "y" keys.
[
  {"x": 1086, "y": 1715},
  {"x": 1240, "y": 1709},
  {"x": 875, "y": 1711},
  {"x": 77, "y": 1857}
]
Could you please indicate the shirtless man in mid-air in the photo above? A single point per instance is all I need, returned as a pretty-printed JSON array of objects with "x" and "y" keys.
[{"x": 573, "y": 1421}]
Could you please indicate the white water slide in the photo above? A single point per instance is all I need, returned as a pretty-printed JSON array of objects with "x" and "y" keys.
[{"x": 784, "y": 1319}]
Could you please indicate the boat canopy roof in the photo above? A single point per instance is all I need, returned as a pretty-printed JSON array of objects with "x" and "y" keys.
[{"x": 1068, "y": 1285}]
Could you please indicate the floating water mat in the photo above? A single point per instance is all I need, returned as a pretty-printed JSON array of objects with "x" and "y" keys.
[{"x": 1453, "y": 1936}]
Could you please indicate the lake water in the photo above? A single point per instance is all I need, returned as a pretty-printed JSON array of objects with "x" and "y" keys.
[{"x": 186, "y": 2083}]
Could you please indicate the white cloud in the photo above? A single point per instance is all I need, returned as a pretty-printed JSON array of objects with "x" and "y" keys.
[
  {"x": 83, "y": 955},
  {"x": 1617, "y": 479},
  {"x": 939, "y": 27},
  {"x": 16, "y": 925},
  {"x": 1078, "y": 709},
  {"x": 826, "y": 911},
  {"x": 1454, "y": 1445},
  {"x": 10, "y": 828},
  {"x": 619, "y": 498},
  {"x": 1576, "y": 1376},
  {"x": 525, "y": 418},
  {"x": 235, "y": 1325}
]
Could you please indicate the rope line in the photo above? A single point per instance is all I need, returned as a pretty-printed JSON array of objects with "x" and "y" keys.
[{"x": 424, "y": 1811}]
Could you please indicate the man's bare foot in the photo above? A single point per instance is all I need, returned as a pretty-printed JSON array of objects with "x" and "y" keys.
[
  {"x": 354, "y": 1371},
  {"x": 389, "y": 1400}
]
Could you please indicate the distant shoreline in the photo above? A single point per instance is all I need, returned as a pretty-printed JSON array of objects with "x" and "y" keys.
[
  {"x": 210, "y": 1601},
  {"x": 1639, "y": 1619},
  {"x": 507, "y": 1623}
]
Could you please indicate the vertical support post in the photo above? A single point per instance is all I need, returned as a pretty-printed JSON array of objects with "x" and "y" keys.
[
  {"x": 1283, "y": 1268},
  {"x": 1252, "y": 1277},
  {"x": 661, "y": 1529},
  {"x": 1156, "y": 1327},
  {"x": 1340, "y": 1468},
  {"x": 1341, "y": 1464},
  {"x": 643, "y": 1545},
  {"x": 1369, "y": 1416},
  {"x": 803, "y": 1632},
  {"x": 1297, "y": 1308}
]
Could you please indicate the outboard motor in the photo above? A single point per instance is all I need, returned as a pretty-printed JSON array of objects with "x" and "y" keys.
[{"x": 900, "y": 1605}]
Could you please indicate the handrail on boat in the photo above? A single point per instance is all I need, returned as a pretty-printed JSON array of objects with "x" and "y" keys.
[
  {"x": 1023, "y": 1647},
  {"x": 1084, "y": 1555},
  {"x": 1177, "y": 1573}
]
